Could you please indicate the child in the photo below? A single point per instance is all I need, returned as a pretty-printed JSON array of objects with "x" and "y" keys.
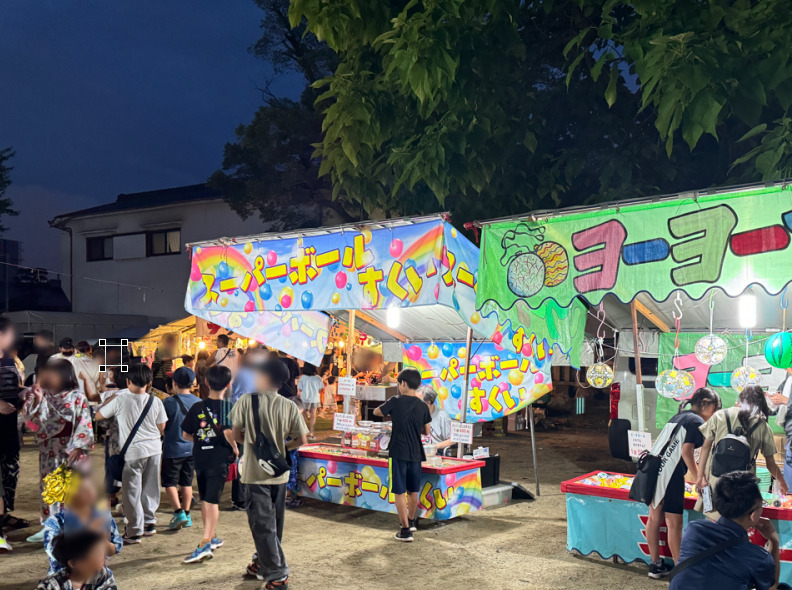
[
  {"x": 309, "y": 386},
  {"x": 59, "y": 414},
  {"x": 411, "y": 419},
  {"x": 329, "y": 395},
  {"x": 177, "y": 460},
  {"x": 117, "y": 386},
  {"x": 80, "y": 513},
  {"x": 141, "y": 476},
  {"x": 83, "y": 556},
  {"x": 208, "y": 427}
]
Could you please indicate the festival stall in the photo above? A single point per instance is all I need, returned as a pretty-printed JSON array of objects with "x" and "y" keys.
[
  {"x": 705, "y": 270},
  {"x": 409, "y": 282}
]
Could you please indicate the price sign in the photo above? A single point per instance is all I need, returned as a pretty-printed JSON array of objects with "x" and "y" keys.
[
  {"x": 462, "y": 433},
  {"x": 639, "y": 442},
  {"x": 343, "y": 422},
  {"x": 481, "y": 453},
  {"x": 347, "y": 386}
]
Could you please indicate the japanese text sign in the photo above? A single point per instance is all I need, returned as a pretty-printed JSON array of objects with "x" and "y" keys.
[{"x": 462, "y": 433}]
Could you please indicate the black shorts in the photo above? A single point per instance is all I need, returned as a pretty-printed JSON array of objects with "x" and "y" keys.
[
  {"x": 177, "y": 472},
  {"x": 211, "y": 483},
  {"x": 674, "y": 499},
  {"x": 405, "y": 476}
]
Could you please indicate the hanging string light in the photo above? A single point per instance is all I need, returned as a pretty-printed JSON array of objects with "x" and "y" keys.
[
  {"x": 711, "y": 349},
  {"x": 676, "y": 383},
  {"x": 600, "y": 375}
]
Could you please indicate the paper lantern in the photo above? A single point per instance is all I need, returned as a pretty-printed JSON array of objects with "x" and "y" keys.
[
  {"x": 778, "y": 350},
  {"x": 712, "y": 349},
  {"x": 599, "y": 375},
  {"x": 743, "y": 376},
  {"x": 675, "y": 383}
]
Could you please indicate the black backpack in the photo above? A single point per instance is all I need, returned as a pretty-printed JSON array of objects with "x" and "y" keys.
[{"x": 733, "y": 451}]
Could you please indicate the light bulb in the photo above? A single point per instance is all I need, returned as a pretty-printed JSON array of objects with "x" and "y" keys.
[
  {"x": 393, "y": 317},
  {"x": 747, "y": 309},
  {"x": 202, "y": 345}
]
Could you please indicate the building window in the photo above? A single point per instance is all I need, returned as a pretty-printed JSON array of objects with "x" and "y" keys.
[
  {"x": 99, "y": 248},
  {"x": 163, "y": 243}
]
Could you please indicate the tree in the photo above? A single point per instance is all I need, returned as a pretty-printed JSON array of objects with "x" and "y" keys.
[
  {"x": 271, "y": 170},
  {"x": 468, "y": 106},
  {"x": 6, "y": 206}
]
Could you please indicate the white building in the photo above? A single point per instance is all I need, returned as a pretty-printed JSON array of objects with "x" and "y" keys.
[{"x": 129, "y": 257}]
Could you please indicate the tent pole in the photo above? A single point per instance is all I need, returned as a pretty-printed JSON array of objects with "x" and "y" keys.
[
  {"x": 639, "y": 398},
  {"x": 533, "y": 448},
  {"x": 463, "y": 411},
  {"x": 350, "y": 346}
]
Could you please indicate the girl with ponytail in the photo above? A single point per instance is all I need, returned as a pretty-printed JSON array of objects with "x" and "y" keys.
[
  {"x": 748, "y": 418},
  {"x": 703, "y": 404}
]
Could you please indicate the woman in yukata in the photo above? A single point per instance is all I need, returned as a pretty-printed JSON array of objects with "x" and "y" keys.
[{"x": 57, "y": 412}]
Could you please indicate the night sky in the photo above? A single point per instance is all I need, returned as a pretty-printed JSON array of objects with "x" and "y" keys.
[{"x": 106, "y": 97}]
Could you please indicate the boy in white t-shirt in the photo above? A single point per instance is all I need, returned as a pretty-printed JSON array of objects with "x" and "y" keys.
[
  {"x": 309, "y": 387},
  {"x": 141, "y": 477}
]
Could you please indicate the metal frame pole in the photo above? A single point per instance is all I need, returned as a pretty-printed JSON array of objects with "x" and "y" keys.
[
  {"x": 533, "y": 448},
  {"x": 350, "y": 347},
  {"x": 463, "y": 411}
]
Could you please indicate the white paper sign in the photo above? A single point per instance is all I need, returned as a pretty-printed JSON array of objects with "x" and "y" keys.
[
  {"x": 639, "y": 442},
  {"x": 343, "y": 422},
  {"x": 347, "y": 386},
  {"x": 462, "y": 433},
  {"x": 481, "y": 453}
]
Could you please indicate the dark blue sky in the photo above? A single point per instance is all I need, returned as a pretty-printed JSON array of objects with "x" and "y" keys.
[{"x": 103, "y": 97}]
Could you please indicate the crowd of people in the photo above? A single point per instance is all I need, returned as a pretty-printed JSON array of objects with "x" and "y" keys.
[{"x": 220, "y": 417}]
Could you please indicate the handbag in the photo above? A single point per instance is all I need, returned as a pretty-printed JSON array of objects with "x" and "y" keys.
[
  {"x": 645, "y": 482},
  {"x": 267, "y": 454},
  {"x": 115, "y": 463}
]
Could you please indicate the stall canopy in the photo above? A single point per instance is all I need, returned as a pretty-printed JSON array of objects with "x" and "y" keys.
[
  {"x": 410, "y": 280},
  {"x": 723, "y": 240}
]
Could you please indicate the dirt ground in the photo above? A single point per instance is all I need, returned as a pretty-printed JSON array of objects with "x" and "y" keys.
[{"x": 521, "y": 545}]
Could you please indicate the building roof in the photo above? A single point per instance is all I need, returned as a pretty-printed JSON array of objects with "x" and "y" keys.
[{"x": 144, "y": 200}]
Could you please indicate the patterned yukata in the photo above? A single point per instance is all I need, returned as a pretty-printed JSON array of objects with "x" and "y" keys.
[
  {"x": 66, "y": 522},
  {"x": 62, "y": 423},
  {"x": 60, "y": 581}
]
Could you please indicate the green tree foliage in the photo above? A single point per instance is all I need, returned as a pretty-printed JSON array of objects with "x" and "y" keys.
[
  {"x": 6, "y": 206},
  {"x": 721, "y": 68},
  {"x": 468, "y": 105},
  {"x": 270, "y": 169}
]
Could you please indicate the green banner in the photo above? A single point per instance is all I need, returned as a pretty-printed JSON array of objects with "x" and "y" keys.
[
  {"x": 718, "y": 377},
  {"x": 726, "y": 240}
]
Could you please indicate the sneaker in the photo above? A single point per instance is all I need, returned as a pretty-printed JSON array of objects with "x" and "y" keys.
[
  {"x": 413, "y": 524},
  {"x": 659, "y": 570},
  {"x": 254, "y": 570},
  {"x": 404, "y": 535},
  {"x": 178, "y": 521},
  {"x": 131, "y": 540},
  {"x": 216, "y": 543},
  {"x": 5, "y": 546},
  {"x": 277, "y": 584},
  {"x": 150, "y": 530},
  {"x": 188, "y": 524},
  {"x": 37, "y": 538},
  {"x": 311, "y": 438},
  {"x": 201, "y": 552}
]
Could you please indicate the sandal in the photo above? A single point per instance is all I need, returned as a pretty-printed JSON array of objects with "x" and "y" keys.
[{"x": 12, "y": 522}]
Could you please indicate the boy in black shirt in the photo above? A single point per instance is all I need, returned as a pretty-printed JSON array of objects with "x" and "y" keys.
[
  {"x": 208, "y": 427},
  {"x": 411, "y": 419}
]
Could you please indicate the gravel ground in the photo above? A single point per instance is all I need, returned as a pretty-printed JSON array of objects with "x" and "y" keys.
[{"x": 521, "y": 545}]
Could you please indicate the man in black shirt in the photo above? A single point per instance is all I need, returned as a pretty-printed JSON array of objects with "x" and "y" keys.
[{"x": 411, "y": 419}]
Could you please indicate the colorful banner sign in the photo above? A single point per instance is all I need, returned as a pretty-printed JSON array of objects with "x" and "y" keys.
[
  {"x": 419, "y": 264},
  {"x": 501, "y": 382},
  {"x": 725, "y": 240},
  {"x": 441, "y": 496},
  {"x": 718, "y": 377},
  {"x": 302, "y": 335}
]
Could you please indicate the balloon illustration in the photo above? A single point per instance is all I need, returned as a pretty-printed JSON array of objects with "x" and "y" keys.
[
  {"x": 250, "y": 306},
  {"x": 306, "y": 299},
  {"x": 222, "y": 270},
  {"x": 286, "y": 297},
  {"x": 224, "y": 302},
  {"x": 396, "y": 248},
  {"x": 448, "y": 349},
  {"x": 195, "y": 273},
  {"x": 336, "y": 298},
  {"x": 265, "y": 291},
  {"x": 516, "y": 377},
  {"x": 475, "y": 318},
  {"x": 414, "y": 352},
  {"x": 462, "y": 352},
  {"x": 272, "y": 258},
  {"x": 248, "y": 248},
  {"x": 433, "y": 352},
  {"x": 341, "y": 280},
  {"x": 456, "y": 391}
]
